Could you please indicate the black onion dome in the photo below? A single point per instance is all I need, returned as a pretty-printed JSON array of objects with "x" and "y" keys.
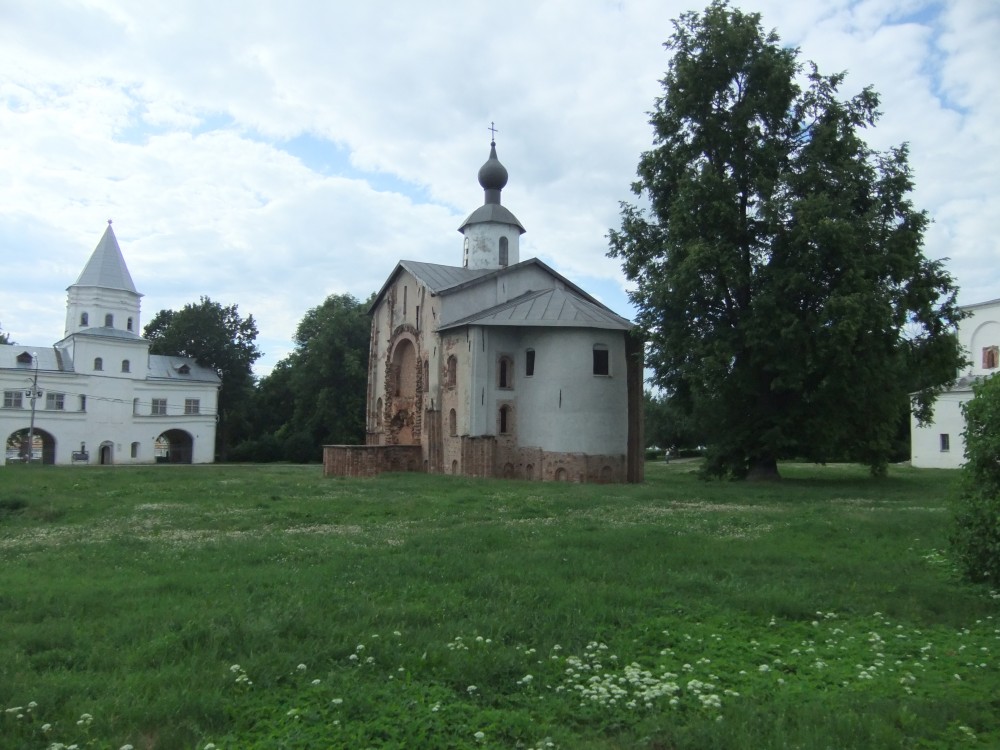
[{"x": 493, "y": 174}]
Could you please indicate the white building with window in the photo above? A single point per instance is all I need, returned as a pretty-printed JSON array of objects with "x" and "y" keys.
[
  {"x": 498, "y": 367},
  {"x": 940, "y": 444},
  {"x": 98, "y": 396}
]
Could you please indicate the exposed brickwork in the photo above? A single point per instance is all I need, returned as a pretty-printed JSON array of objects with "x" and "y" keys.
[{"x": 369, "y": 460}]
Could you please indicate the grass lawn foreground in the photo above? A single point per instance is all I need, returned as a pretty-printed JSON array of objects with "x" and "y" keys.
[{"x": 268, "y": 607}]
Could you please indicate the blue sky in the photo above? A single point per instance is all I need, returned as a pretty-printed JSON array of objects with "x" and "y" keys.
[{"x": 270, "y": 155}]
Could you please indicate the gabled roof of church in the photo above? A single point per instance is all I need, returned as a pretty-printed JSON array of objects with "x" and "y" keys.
[
  {"x": 571, "y": 306},
  {"x": 106, "y": 267},
  {"x": 549, "y": 308}
]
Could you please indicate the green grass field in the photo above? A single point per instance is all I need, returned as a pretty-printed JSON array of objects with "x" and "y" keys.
[{"x": 268, "y": 607}]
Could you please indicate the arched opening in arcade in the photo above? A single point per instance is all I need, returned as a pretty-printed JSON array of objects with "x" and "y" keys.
[
  {"x": 42, "y": 449},
  {"x": 174, "y": 447}
]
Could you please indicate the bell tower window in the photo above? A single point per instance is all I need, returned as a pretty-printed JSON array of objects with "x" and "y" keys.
[{"x": 503, "y": 252}]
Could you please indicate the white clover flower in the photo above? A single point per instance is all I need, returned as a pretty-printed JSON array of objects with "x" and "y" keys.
[
  {"x": 209, "y": 746},
  {"x": 126, "y": 747},
  {"x": 764, "y": 668},
  {"x": 337, "y": 701},
  {"x": 14, "y": 709},
  {"x": 396, "y": 633},
  {"x": 235, "y": 668},
  {"x": 480, "y": 736},
  {"x": 46, "y": 727},
  {"x": 353, "y": 657},
  {"x": 360, "y": 647},
  {"x": 316, "y": 682},
  {"x": 471, "y": 689},
  {"x": 32, "y": 704},
  {"x": 302, "y": 667}
]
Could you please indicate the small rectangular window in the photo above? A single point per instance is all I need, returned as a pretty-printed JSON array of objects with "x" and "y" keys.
[
  {"x": 54, "y": 401},
  {"x": 83, "y": 403},
  {"x": 529, "y": 363},
  {"x": 601, "y": 362},
  {"x": 13, "y": 399},
  {"x": 945, "y": 442},
  {"x": 192, "y": 406},
  {"x": 158, "y": 407}
]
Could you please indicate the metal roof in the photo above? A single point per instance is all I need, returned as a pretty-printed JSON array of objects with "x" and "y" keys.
[
  {"x": 49, "y": 359},
  {"x": 52, "y": 359},
  {"x": 492, "y": 212},
  {"x": 549, "y": 308},
  {"x": 106, "y": 267},
  {"x": 162, "y": 366}
]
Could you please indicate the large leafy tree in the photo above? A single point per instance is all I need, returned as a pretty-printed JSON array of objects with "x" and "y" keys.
[
  {"x": 778, "y": 265},
  {"x": 5, "y": 339},
  {"x": 316, "y": 395},
  {"x": 216, "y": 336}
]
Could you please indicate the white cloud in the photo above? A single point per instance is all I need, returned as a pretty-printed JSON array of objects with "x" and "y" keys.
[{"x": 171, "y": 118}]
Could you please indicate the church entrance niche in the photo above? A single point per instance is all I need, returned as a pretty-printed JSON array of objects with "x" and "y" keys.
[
  {"x": 404, "y": 394},
  {"x": 106, "y": 454},
  {"x": 174, "y": 447},
  {"x": 43, "y": 451}
]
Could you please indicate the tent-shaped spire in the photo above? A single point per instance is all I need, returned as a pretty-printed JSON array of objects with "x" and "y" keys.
[{"x": 106, "y": 267}]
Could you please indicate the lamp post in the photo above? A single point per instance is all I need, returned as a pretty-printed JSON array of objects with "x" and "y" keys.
[{"x": 33, "y": 394}]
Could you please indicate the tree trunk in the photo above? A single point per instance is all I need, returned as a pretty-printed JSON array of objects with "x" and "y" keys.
[{"x": 763, "y": 469}]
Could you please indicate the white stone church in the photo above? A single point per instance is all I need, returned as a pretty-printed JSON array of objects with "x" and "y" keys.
[
  {"x": 498, "y": 367},
  {"x": 98, "y": 396},
  {"x": 940, "y": 444}
]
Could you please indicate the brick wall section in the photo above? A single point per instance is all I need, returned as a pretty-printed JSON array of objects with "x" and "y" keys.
[{"x": 370, "y": 460}]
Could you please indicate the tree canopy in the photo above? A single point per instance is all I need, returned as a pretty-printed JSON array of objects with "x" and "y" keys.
[
  {"x": 778, "y": 265},
  {"x": 5, "y": 339},
  {"x": 316, "y": 395},
  {"x": 216, "y": 336}
]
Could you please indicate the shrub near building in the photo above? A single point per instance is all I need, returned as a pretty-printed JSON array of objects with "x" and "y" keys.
[{"x": 977, "y": 534}]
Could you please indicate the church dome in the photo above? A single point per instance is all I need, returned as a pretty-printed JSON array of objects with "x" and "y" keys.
[{"x": 493, "y": 174}]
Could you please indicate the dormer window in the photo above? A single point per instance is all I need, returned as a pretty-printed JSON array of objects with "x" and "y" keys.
[
  {"x": 84, "y": 320},
  {"x": 109, "y": 321},
  {"x": 24, "y": 358},
  {"x": 183, "y": 370}
]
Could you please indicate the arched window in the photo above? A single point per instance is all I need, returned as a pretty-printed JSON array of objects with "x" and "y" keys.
[
  {"x": 109, "y": 320},
  {"x": 505, "y": 372},
  {"x": 378, "y": 414},
  {"x": 505, "y": 420},
  {"x": 601, "y": 363},
  {"x": 503, "y": 252},
  {"x": 135, "y": 450},
  {"x": 126, "y": 366},
  {"x": 98, "y": 364},
  {"x": 452, "y": 423},
  {"x": 451, "y": 376},
  {"x": 84, "y": 319},
  {"x": 991, "y": 355},
  {"x": 128, "y": 325}
]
